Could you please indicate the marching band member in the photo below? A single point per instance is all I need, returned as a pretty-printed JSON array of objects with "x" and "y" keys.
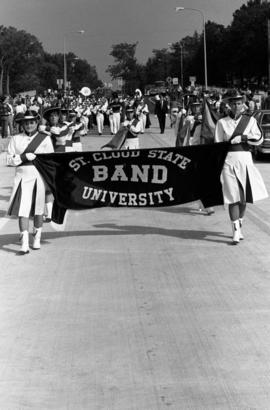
[
  {"x": 178, "y": 117},
  {"x": 141, "y": 109},
  {"x": 28, "y": 195},
  {"x": 133, "y": 125},
  {"x": 241, "y": 180},
  {"x": 55, "y": 127},
  {"x": 193, "y": 125},
  {"x": 75, "y": 132},
  {"x": 114, "y": 113},
  {"x": 85, "y": 113},
  {"x": 99, "y": 110},
  {"x": 68, "y": 118},
  {"x": 58, "y": 132}
]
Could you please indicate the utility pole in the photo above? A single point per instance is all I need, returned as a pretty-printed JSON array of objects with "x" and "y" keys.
[
  {"x": 182, "y": 68},
  {"x": 268, "y": 36}
]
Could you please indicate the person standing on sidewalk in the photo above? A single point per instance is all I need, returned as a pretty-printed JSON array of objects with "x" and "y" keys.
[
  {"x": 6, "y": 116},
  {"x": 241, "y": 180},
  {"x": 28, "y": 195}
]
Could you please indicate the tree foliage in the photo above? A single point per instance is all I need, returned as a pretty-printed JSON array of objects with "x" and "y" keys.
[
  {"x": 126, "y": 65},
  {"x": 235, "y": 54},
  {"x": 24, "y": 65}
]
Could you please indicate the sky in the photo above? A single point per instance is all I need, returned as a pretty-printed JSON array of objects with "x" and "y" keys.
[{"x": 152, "y": 23}]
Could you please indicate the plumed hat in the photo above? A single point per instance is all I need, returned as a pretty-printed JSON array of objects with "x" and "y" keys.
[
  {"x": 28, "y": 115},
  {"x": 49, "y": 110},
  {"x": 234, "y": 95}
]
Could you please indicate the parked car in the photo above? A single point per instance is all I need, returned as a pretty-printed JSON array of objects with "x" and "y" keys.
[{"x": 263, "y": 118}]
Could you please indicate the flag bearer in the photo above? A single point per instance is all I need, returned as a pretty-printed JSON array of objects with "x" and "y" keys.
[
  {"x": 133, "y": 126},
  {"x": 28, "y": 195},
  {"x": 241, "y": 180}
]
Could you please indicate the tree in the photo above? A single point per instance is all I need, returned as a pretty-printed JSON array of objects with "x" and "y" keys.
[
  {"x": 17, "y": 49},
  {"x": 125, "y": 66},
  {"x": 25, "y": 66},
  {"x": 158, "y": 66},
  {"x": 247, "y": 41},
  {"x": 79, "y": 72}
]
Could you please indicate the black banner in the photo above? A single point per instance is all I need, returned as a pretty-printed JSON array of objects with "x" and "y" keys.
[{"x": 134, "y": 178}]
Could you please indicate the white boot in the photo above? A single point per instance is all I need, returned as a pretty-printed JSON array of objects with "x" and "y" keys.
[
  {"x": 236, "y": 232},
  {"x": 36, "y": 237},
  {"x": 24, "y": 242},
  {"x": 241, "y": 236}
]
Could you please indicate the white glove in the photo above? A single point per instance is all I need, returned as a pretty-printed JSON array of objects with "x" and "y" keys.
[
  {"x": 236, "y": 140},
  {"x": 42, "y": 128},
  {"x": 125, "y": 123},
  {"x": 55, "y": 130},
  {"x": 30, "y": 156}
]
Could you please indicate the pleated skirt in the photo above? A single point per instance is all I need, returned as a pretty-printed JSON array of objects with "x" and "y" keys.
[
  {"x": 241, "y": 180},
  {"x": 28, "y": 194}
]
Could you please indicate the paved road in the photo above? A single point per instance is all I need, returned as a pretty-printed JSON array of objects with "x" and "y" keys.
[{"x": 133, "y": 309}]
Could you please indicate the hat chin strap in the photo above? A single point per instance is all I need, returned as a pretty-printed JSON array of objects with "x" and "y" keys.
[{"x": 30, "y": 134}]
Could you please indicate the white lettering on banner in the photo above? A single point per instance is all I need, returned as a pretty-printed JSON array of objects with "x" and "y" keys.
[
  {"x": 132, "y": 199},
  {"x": 127, "y": 198},
  {"x": 175, "y": 158},
  {"x": 100, "y": 173},
  {"x": 77, "y": 163},
  {"x": 113, "y": 196},
  {"x": 169, "y": 193},
  {"x": 99, "y": 156},
  {"x": 119, "y": 174},
  {"x": 122, "y": 198},
  {"x": 136, "y": 172},
  {"x": 158, "y": 175},
  {"x": 143, "y": 199}
]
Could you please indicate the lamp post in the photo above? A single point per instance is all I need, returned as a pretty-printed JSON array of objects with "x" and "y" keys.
[
  {"x": 204, "y": 40},
  {"x": 181, "y": 59},
  {"x": 65, "y": 59}
]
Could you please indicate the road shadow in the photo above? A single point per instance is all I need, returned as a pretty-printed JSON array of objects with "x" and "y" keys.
[
  {"x": 111, "y": 229},
  {"x": 181, "y": 210}
]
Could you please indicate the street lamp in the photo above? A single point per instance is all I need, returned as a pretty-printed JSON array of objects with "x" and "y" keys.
[
  {"x": 65, "y": 60},
  {"x": 204, "y": 40}
]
